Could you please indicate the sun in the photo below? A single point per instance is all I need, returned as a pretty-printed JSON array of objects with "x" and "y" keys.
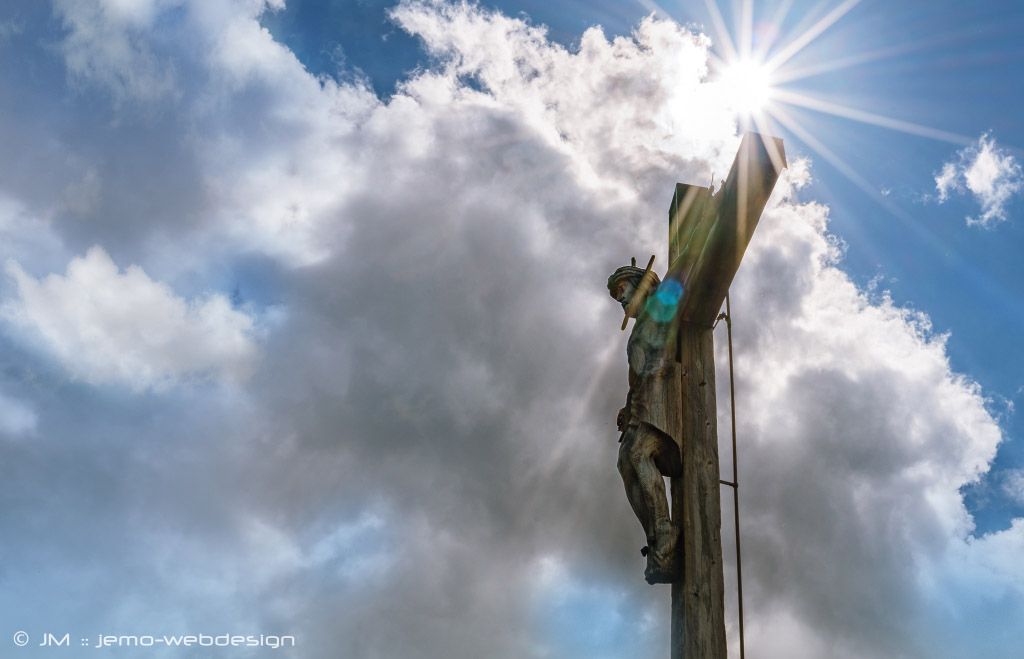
[
  {"x": 747, "y": 85},
  {"x": 753, "y": 69}
]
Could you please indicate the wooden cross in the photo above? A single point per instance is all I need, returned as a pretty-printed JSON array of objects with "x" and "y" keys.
[{"x": 708, "y": 234}]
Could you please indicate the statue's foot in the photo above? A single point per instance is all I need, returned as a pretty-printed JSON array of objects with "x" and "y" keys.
[
  {"x": 662, "y": 563},
  {"x": 660, "y": 573}
]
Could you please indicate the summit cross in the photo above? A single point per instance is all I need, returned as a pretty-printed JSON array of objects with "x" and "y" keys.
[{"x": 669, "y": 423}]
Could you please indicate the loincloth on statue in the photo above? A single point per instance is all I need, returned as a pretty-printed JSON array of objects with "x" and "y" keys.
[{"x": 662, "y": 447}]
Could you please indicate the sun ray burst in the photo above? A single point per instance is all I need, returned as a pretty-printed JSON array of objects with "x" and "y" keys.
[
  {"x": 784, "y": 118},
  {"x": 835, "y": 109},
  {"x": 746, "y": 31},
  {"x": 721, "y": 32},
  {"x": 781, "y": 12},
  {"x": 794, "y": 74},
  {"x": 792, "y": 48}
]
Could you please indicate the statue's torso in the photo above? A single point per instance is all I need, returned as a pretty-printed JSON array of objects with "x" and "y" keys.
[{"x": 653, "y": 376}]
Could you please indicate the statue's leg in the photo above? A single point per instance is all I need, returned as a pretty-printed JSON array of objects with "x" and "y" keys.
[
  {"x": 638, "y": 499},
  {"x": 650, "y": 460}
]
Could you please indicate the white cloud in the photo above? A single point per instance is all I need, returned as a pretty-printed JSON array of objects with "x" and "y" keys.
[
  {"x": 1013, "y": 484},
  {"x": 353, "y": 551},
  {"x": 277, "y": 193},
  {"x": 106, "y": 43},
  {"x": 16, "y": 417},
  {"x": 649, "y": 82},
  {"x": 946, "y": 181},
  {"x": 989, "y": 173},
  {"x": 108, "y": 326}
]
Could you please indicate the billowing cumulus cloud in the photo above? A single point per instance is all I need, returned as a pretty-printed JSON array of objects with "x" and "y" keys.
[
  {"x": 105, "y": 325},
  {"x": 989, "y": 173},
  {"x": 422, "y": 461}
]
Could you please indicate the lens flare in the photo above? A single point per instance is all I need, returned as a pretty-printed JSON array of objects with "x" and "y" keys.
[{"x": 662, "y": 306}]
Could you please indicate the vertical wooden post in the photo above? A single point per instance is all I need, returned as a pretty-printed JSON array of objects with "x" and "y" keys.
[
  {"x": 698, "y": 600},
  {"x": 708, "y": 234}
]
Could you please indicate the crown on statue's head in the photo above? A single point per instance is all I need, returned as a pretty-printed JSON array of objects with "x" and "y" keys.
[{"x": 633, "y": 274}]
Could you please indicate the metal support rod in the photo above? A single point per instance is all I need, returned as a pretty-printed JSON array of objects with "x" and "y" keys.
[{"x": 735, "y": 476}]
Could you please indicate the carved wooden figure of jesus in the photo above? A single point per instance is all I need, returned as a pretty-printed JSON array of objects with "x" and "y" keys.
[{"x": 648, "y": 448}]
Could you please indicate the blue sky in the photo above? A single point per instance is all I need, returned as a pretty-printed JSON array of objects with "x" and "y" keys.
[{"x": 303, "y": 326}]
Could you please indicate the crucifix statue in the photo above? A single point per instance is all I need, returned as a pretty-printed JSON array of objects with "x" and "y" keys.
[{"x": 668, "y": 425}]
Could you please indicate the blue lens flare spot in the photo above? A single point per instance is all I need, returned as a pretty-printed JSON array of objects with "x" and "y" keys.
[
  {"x": 670, "y": 290},
  {"x": 662, "y": 306}
]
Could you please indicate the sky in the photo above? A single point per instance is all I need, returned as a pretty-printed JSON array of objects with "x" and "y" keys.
[{"x": 304, "y": 328}]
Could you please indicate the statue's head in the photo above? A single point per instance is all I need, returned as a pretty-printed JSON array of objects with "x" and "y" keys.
[{"x": 625, "y": 281}]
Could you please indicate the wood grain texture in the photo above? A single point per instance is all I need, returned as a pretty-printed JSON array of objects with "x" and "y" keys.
[
  {"x": 698, "y": 600},
  {"x": 710, "y": 232},
  {"x": 708, "y": 235}
]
